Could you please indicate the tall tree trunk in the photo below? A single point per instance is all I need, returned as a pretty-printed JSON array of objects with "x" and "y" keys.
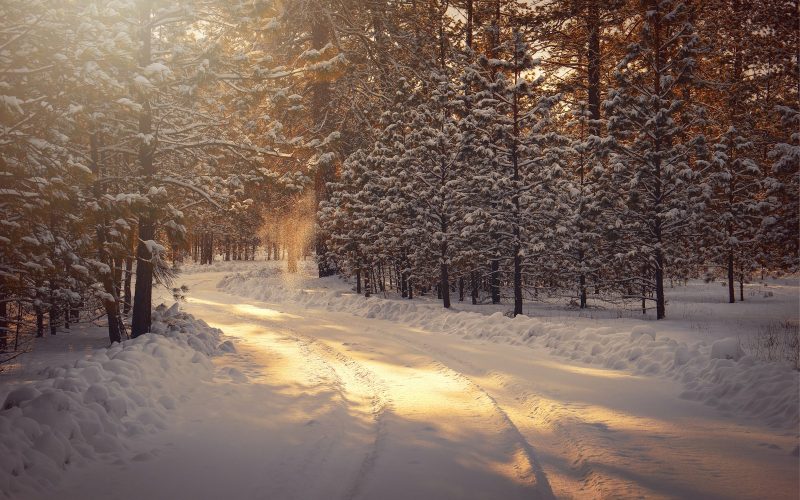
[
  {"x": 494, "y": 280},
  {"x": 475, "y": 284},
  {"x": 517, "y": 282},
  {"x": 731, "y": 289},
  {"x": 143, "y": 295},
  {"x": 3, "y": 316},
  {"x": 127, "y": 292},
  {"x": 741, "y": 280},
  {"x": 644, "y": 289},
  {"x": 39, "y": 322},
  {"x": 494, "y": 44},
  {"x": 143, "y": 291},
  {"x": 658, "y": 146},
  {"x": 111, "y": 297},
  {"x": 734, "y": 98},
  {"x": 52, "y": 315},
  {"x": 291, "y": 262},
  {"x": 593, "y": 66},
  {"x": 444, "y": 278},
  {"x": 76, "y": 310},
  {"x": 320, "y": 99},
  {"x": 470, "y": 23},
  {"x": 661, "y": 302},
  {"x": 517, "y": 246},
  {"x": 593, "y": 91},
  {"x": 17, "y": 326},
  {"x": 582, "y": 281}
]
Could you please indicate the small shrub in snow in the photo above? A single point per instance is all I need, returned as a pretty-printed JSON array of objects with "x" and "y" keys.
[{"x": 777, "y": 341}]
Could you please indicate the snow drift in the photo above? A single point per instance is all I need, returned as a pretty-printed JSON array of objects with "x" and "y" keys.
[
  {"x": 91, "y": 409},
  {"x": 719, "y": 375}
]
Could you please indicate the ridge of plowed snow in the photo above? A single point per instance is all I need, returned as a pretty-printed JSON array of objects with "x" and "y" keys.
[{"x": 91, "y": 409}]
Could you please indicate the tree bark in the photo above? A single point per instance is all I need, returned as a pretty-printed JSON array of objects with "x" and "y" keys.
[
  {"x": 3, "y": 317},
  {"x": 127, "y": 295},
  {"x": 470, "y": 22},
  {"x": 741, "y": 281},
  {"x": 657, "y": 191},
  {"x": 52, "y": 317},
  {"x": 593, "y": 91},
  {"x": 517, "y": 246},
  {"x": 731, "y": 289},
  {"x": 320, "y": 103},
  {"x": 291, "y": 260},
  {"x": 494, "y": 283},
  {"x": 474, "y": 279},
  {"x": 143, "y": 294},
  {"x": 39, "y": 322},
  {"x": 110, "y": 298}
]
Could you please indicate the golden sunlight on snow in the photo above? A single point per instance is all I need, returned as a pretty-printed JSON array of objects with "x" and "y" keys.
[
  {"x": 263, "y": 312},
  {"x": 587, "y": 370},
  {"x": 441, "y": 418},
  {"x": 259, "y": 312}
]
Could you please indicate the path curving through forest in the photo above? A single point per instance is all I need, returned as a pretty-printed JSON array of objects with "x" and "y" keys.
[
  {"x": 433, "y": 433},
  {"x": 317, "y": 404}
]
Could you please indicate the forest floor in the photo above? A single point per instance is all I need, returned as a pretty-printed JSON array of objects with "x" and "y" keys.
[{"x": 320, "y": 401}]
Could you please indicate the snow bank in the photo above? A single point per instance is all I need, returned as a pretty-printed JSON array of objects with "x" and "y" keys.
[
  {"x": 222, "y": 266},
  {"x": 727, "y": 349},
  {"x": 710, "y": 374},
  {"x": 91, "y": 409}
]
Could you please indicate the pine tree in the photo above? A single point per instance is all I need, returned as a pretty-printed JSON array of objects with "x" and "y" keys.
[
  {"x": 524, "y": 153},
  {"x": 781, "y": 229},
  {"x": 650, "y": 162}
]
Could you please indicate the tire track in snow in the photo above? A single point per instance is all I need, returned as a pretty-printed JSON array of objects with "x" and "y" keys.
[
  {"x": 570, "y": 430},
  {"x": 379, "y": 402},
  {"x": 541, "y": 412},
  {"x": 325, "y": 366},
  {"x": 355, "y": 381},
  {"x": 541, "y": 481}
]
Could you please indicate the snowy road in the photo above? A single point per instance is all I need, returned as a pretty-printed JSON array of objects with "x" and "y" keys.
[{"x": 317, "y": 404}]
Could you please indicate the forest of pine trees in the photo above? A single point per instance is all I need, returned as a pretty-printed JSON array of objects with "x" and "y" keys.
[{"x": 591, "y": 151}]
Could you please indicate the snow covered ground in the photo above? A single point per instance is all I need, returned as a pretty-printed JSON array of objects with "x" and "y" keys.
[
  {"x": 96, "y": 408},
  {"x": 329, "y": 395}
]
